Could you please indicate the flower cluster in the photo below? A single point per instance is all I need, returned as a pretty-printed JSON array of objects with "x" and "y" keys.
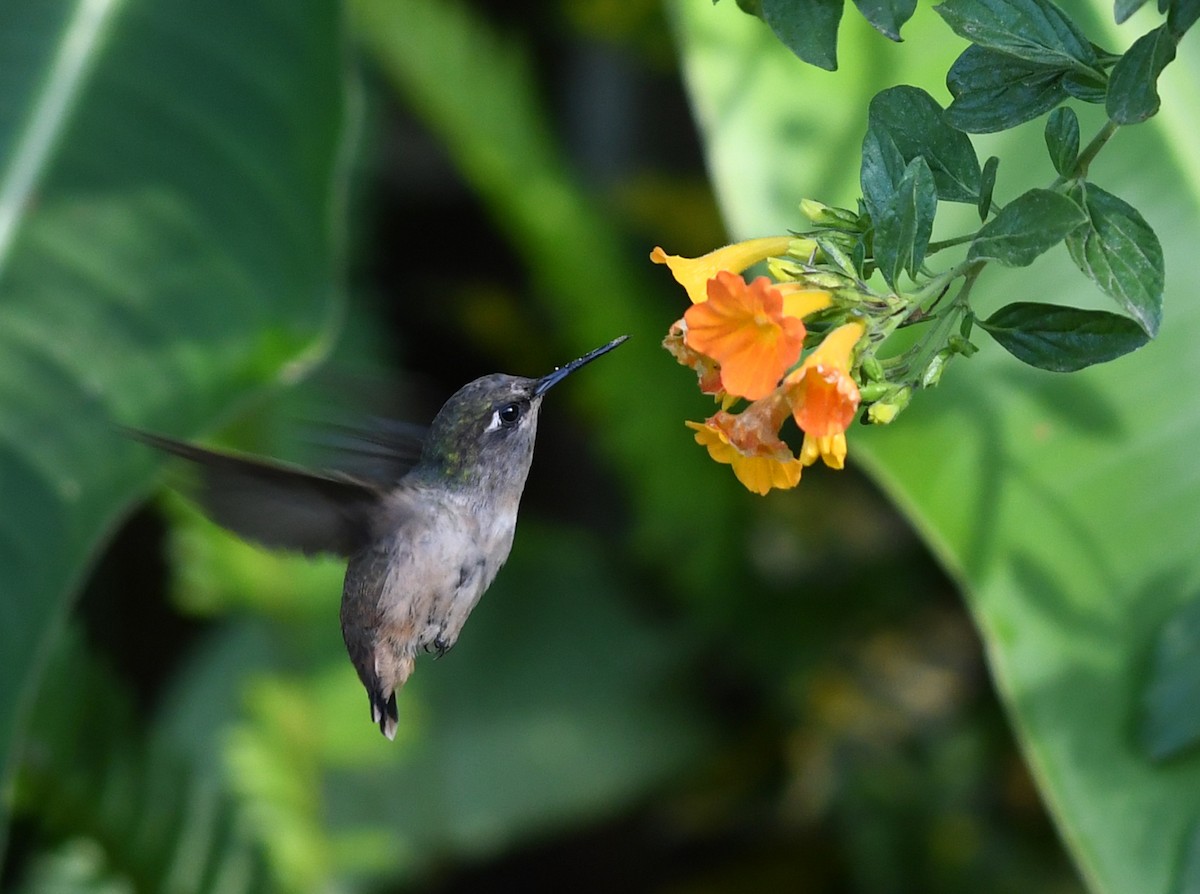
[{"x": 749, "y": 340}]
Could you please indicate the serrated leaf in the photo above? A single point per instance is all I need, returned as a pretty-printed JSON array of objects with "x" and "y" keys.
[
  {"x": 887, "y": 16},
  {"x": 902, "y": 231},
  {"x": 1120, "y": 252},
  {"x": 1133, "y": 85},
  {"x": 994, "y": 91},
  {"x": 1034, "y": 30},
  {"x": 1062, "y": 140},
  {"x": 910, "y": 119},
  {"x": 987, "y": 186},
  {"x": 1169, "y": 720},
  {"x": 1027, "y": 226},
  {"x": 1062, "y": 339},
  {"x": 808, "y": 28}
]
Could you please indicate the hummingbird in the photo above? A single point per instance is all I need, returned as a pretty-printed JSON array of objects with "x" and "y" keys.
[{"x": 422, "y": 545}]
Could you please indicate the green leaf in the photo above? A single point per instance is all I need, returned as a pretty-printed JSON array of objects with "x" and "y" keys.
[
  {"x": 1062, "y": 140},
  {"x": 887, "y": 16},
  {"x": 1027, "y": 226},
  {"x": 1034, "y": 30},
  {"x": 994, "y": 91},
  {"x": 1123, "y": 9},
  {"x": 808, "y": 28},
  {"x": 910, "y": 120},
  {"x": 1087, "y": 86},
  {"x": 1170, "y": 723},
  {"x": 1133, "y": 85},
  {"x": 902, "y": 231},
  {"x": 987, "y": 186},
  {"x": 882, "y": 169},
  {"x": 1062, "y": 339},
  {"x": 168, "y": 245},
  {"x": 1119, "y": 252},
  {"x": 1181, "y": 15}
]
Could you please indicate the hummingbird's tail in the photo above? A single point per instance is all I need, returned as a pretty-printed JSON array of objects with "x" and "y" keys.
[{"x": 384, "y": 711}]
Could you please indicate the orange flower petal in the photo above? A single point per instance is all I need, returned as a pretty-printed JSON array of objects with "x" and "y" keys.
[{"x": 742, "y": 327}]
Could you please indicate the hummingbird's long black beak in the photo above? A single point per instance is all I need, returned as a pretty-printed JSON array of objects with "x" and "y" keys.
[{"x": 545, "y": 383}]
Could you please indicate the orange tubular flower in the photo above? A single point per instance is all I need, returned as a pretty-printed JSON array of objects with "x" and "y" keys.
[
  {"x": 694, "y": 273},
  {"x": 749, "y": 442},
  {"x": 743, "y": 328},
  {"x": 824, "y": 398}
]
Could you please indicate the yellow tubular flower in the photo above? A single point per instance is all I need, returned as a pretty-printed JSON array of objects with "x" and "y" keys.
[
  {"x": 694, "y": 273},
  {"x": 800, "y": 301}
]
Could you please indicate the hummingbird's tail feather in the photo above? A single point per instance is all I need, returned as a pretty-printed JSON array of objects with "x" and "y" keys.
[
  {"x": 273, "y": 504},
  {"x": 384, "y": 712}
]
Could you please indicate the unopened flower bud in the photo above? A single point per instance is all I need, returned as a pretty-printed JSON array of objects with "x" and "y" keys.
[{"x": 884, "y": 411}]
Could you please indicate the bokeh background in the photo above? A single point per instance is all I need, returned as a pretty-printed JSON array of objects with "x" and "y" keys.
[{"x": 263, "y": 221}]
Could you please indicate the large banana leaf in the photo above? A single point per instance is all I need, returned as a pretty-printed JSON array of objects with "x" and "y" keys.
[
  {"x": 1066, "y": 506},
  {"x": 168, "y": 219}
]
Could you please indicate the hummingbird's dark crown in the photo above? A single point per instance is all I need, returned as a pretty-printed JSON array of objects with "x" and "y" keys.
[{"x": 486, "y": 427}]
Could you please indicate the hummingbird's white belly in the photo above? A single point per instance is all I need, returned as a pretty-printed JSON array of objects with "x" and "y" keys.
[{"x": 441, "y": 567}]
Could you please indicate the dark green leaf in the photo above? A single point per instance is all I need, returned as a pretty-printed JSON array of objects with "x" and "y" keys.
[
  {"x": 1123, "y": 9},
  {"x": 987, "y": 185},
  {"x": 1062, "y": 339},
  {"x": 1120, "y": 253},
  {"x": 806, "y": 27},
  {"x": 1181, "y": 15},
  {"x": 1086, "y": 86},
  {"x": 1034, "y": 30},
  {"x": 902, "y": 231},
  {"x": 882, "y": 168},
  {"x": 750, "y": 7},
  {"x": 994, "y": 91},
  {"x": 1062, "y": 140},
  {"x": 887, "y": 16},
  {"x": 169, "y": 245},
  {"x": 1170, "y": 722},
  {"x": 1027, "y": 226},
  {"x": 1132, "y": 88},
  {"x": 1187, "y": 869},
  {"x": 909, "y": 119}
]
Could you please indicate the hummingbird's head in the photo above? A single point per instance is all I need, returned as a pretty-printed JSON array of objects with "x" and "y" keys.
[{"x": 485, "y": 431}]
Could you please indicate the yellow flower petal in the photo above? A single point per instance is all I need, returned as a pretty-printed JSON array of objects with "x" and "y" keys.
[{"x": 694, "y": 273}]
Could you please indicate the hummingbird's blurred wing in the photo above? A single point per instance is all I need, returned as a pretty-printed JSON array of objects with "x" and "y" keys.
[
  {"x": 381, "y": 452},
  {"x": 276, "y": 505}
]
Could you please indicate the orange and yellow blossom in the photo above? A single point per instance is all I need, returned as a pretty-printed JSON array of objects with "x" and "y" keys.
[
  {"x": 743, "y": 328},
  {"x": 749, "y": 442},
  {"x": 824, "y": 397},
  {"x": 706, "y": 369},
  {"x": 694, "y": 273}
]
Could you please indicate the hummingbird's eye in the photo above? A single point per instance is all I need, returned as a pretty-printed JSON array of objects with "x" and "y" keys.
[{"x": 509, "y": 414}]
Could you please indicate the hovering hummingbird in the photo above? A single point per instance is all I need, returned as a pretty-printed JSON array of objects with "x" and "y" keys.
[{"x": 422, "y": 547}]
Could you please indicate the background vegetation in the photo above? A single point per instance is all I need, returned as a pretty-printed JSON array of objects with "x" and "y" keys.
[{"x": 674, "y": 685}]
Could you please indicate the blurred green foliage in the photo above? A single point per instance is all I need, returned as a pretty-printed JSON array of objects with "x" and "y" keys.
[{"x": 673, "y": 685}]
